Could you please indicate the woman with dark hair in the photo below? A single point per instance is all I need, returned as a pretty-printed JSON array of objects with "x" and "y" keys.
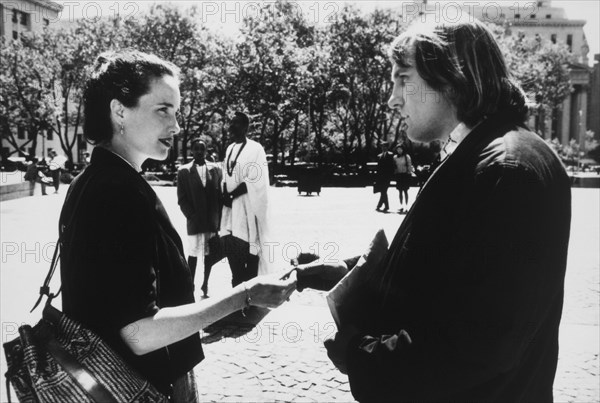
[
  {"x": 123, "y": 270},
  {"x": 403, "y": 174}
]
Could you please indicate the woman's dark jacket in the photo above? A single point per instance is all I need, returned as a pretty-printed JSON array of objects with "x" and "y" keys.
[
  {"x": 467, "y": 303},
  {"x": 121, "y": 261}
]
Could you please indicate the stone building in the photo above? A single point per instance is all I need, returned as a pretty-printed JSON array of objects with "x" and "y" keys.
[
  {"x": 18, "y": 17},
  {"x": 539, "y": 18},
  {"x": 594, "y": 94}
]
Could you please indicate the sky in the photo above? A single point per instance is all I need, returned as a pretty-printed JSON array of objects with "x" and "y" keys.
[{"x": 225, "y": 15}]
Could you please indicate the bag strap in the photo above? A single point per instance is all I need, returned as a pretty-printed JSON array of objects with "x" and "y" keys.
[
  {"x": 79, "y": 374},
  {"x": 45, "y": 288}
]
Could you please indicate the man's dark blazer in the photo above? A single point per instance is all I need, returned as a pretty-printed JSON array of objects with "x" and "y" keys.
[
  {"x": 467, "y": 303},
  {"x": 385, "y": 172},
  {"x": 201, "y": 204}
]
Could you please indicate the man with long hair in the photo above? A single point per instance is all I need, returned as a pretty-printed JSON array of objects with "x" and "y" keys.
[{"x": 466, "y": 303}]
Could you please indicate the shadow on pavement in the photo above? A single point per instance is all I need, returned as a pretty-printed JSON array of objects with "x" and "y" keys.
[{"x": 234, "y": 325}]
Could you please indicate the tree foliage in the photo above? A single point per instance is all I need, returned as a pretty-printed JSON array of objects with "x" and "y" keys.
[{"x": 315, "y": 92}]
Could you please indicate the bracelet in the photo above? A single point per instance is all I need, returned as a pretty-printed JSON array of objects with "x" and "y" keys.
[{"x": 248, "y": 300}]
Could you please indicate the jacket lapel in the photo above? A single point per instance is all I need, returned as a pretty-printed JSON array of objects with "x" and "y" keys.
[
  {"x": 453, "y": 165},
  {"x": 195, "y": 177}
]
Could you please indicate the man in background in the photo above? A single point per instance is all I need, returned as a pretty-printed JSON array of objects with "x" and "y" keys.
[
  {"x": 244, "y": 223},
  {"x": 199, "y": 197}
]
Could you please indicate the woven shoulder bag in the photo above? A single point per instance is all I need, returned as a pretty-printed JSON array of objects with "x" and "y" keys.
[{"x": 60, "y": 360}]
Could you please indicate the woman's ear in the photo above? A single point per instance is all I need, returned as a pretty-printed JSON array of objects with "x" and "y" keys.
[{"x": 117, "y": 110}]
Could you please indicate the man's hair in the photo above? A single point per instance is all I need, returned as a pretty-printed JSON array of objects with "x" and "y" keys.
[
  {"x": 463, "y": 61},
  {"x": 242, "y": 118},
  {"x": 197, "y": 140},
  {"x": 125, "y": 76}
]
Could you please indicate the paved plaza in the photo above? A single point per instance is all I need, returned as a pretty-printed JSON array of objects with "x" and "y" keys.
[{"x": 281, "y": 356}]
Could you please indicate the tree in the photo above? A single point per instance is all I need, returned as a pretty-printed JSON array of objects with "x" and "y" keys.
[
  {"x": 270, "y": 69},
  {"x": 542, "y": 69},
  {"x": 359, "y": 51},
  {"x": 25, "y": 100}
]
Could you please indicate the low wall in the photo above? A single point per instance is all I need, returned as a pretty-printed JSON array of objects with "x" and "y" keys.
[
  {"x": 585, "y": 180},
  {"x": 14, "y": 191}
]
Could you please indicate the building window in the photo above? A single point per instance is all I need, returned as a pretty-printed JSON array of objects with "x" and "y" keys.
[
  {"x": 570, "y": 41},
  {"x": 24, "y": 19},
  {"x": 517, "y": 16},
  {"x": 20, "y": 132},
  {"x": 15, "y": 17},
  {"x": 540, "y": 4},
  {"x": 532, "y": 16},
  {"x": 502, "y": 15},
  {"x": 46, "y": 22},
  {"x": 50, "y": 134},
  {"x": 548, "y": 16},
  {"x": 15, "y": 35},
  {"x": 553, "y": 38}
]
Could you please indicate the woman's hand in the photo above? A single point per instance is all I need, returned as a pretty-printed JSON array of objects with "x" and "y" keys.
[{"x": 270, "y": 291}]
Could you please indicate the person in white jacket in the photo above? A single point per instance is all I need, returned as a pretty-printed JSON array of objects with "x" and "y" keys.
[{"x": 244, "y": 222}]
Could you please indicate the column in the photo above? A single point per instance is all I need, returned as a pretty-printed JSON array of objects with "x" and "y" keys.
[
  {"x": 583, "y": 125},
  {"x": 566, "y": 120}
]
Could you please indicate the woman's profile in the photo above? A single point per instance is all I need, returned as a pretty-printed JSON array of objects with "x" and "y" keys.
[{"x": 123, "y": 270}]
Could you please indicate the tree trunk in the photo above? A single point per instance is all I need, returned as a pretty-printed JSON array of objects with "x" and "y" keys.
[
  {"x": 275, "y": 140},
  {"x": 294, "y": 140}
]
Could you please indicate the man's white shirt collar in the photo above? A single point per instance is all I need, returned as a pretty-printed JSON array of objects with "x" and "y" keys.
[{"x": 456, "y": 136}]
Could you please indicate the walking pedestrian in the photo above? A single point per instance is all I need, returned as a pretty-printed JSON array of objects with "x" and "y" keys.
[
  {"x": 56, "y": 166},
  {"x": 34, "y": 175},
  {"x": 403, "y": 175},
  {"x": 385, "y": 172}
]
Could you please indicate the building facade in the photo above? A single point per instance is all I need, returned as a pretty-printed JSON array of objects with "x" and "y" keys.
[
  {"x": 594, "y": 95},
  {"x": 18, "y": 17},
  {"x": 540, "y": 19}
]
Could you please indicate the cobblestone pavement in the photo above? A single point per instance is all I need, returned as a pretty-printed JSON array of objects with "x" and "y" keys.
[{"x": 282, "y": 357}]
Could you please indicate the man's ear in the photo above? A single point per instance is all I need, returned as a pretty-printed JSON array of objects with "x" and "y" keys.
[{"x": 117, "y": 110}]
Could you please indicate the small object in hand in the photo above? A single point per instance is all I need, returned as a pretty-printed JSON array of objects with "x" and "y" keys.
[{"x": 248, "y": 301}]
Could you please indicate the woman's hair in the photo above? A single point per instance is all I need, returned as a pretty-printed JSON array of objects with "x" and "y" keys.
[
  {"x": 463, "y": 61},
  {"x": 125, "y": 76}
]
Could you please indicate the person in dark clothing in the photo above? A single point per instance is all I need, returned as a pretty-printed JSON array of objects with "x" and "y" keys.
[
  {"x": 199, "y": 197},
  {"x": 403, "y": 173},
  {"x": 466, "y": 302},
  {"x": 34, "y": 175},
  {"x": 385, "y": 172},
  {"x": 56, "y": 167},
  {"x": 122, "y": 266}
]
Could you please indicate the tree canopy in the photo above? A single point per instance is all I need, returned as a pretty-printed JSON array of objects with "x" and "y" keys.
[{"x": 315, "y": 92}]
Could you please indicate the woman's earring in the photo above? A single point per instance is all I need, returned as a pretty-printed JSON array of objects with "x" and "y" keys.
[{"x": 122, "y": 129}]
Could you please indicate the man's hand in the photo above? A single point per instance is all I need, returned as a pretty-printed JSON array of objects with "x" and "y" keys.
[
  {"x": 338, "y": 346},
  {"x": 227, "y": 199}
]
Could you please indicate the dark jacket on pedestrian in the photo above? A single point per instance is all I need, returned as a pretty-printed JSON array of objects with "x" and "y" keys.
[
  {"x": 121, "y": 261},
  {"x": 200, "y": 203},
  {"x": 385, "y": 171},
  {"x": 467, "y": 303}
]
